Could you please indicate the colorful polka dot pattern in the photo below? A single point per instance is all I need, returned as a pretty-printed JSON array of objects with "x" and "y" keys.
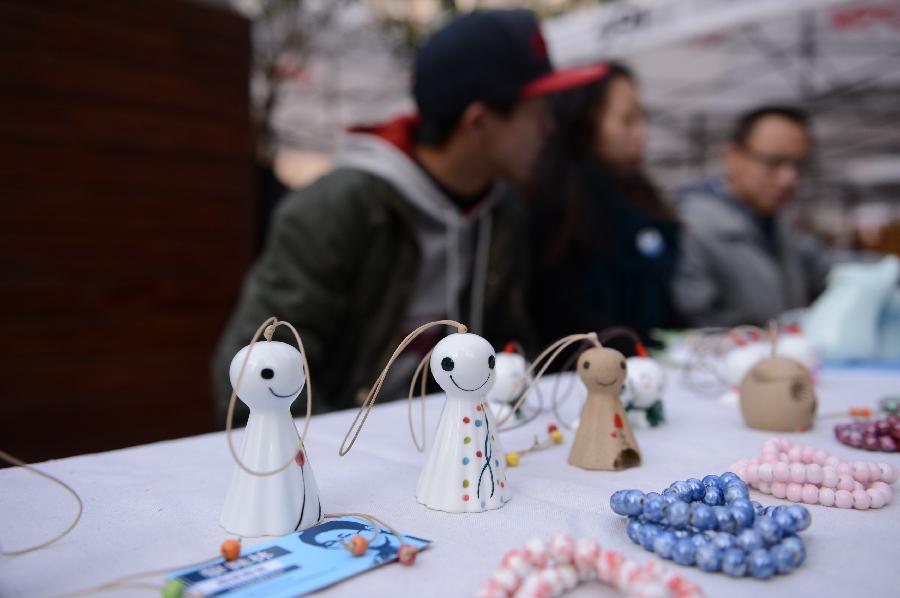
[{"x": 479, "y": 454}]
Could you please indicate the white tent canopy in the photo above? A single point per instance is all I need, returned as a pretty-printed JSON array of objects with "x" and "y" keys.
[{"x": 624, "y": 28}]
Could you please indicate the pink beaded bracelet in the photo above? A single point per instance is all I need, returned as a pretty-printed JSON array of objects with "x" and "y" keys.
[
  {"x": 809, "y": 475},
  {"x": 546, "y": 569}
]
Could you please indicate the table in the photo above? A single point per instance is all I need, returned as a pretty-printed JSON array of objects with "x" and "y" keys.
[{"x": 157, "y": 505}]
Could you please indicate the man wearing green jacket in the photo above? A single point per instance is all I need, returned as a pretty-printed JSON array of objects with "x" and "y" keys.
[{"x": 414, "y": 223}]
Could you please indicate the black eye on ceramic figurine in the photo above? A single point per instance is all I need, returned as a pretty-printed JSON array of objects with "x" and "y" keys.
[
  {"x": 267, "y": 374},
  {"x": 492, "y": 361},
  {"x": 622, "y": 364},
  {"x": 586, "y": 364},
  {"x": 447, "y": 364}
]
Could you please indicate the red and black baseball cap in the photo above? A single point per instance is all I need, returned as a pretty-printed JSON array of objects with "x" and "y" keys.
[{"x": 488, "y": 55}]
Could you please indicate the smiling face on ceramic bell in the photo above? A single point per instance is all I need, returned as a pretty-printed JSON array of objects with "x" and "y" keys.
[
  {"x": 778, "y": 395},
  {"x": 602, "y": 370},
  {"x": 464, "y": 364},
  {"x": 273, "y": 377},
  {"x": 645, "y": 381}
]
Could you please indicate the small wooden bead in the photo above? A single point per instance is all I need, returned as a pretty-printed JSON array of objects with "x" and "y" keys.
[
  {"x": 406, "y": 554},
  {"x": 357, "y": 545},
  {"x": 231, "y": 549},
  {"x": 173, "y": 589}
]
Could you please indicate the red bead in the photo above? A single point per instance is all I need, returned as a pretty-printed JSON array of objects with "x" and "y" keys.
[
  {"x": 552, "y": 428},
  {"x": 300, "y": 459},
  {"x": 478, "y": 454},
  {"x": 407, "y": 554}
]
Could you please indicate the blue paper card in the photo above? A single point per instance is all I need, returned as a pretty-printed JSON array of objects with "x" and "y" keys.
[{"x": 295, "y": 564}]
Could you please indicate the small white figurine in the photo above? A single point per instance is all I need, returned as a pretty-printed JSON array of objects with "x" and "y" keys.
[
  {"x": 464, "y": 468},
  {"x": 798, "y": 346},
  {"x": 643, "y": 392},
  {"x": 277, "y": 504},
  {"x": 510, "y": 380}
]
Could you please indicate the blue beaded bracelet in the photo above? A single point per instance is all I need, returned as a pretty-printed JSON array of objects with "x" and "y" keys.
[{"x": 712, "y": 523}]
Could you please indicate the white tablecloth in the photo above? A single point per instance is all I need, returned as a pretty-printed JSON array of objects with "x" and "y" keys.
[{"x": 157, "y": 505}]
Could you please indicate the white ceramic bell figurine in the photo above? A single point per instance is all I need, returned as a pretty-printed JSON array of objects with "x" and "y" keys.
[
  {"x": 276, "y": 504},
  {"x": 643, "y": 392},
  {"x": 464, "y": 468},
  {"x": 735, "y": 366},
  {"x": 800, "y": 348},
  {"x": 509, "y": 373}
]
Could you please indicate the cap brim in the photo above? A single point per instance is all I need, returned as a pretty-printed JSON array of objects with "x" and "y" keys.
[{"x": 565, "y": 79}]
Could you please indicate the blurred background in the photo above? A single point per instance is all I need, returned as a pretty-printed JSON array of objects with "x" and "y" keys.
[{"x": 144, "y": 144}]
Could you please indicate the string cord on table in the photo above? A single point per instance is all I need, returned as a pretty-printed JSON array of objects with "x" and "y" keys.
[{"x": 18, "y": 462}]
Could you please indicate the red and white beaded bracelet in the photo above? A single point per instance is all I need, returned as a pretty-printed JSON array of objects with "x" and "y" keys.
[
  {"x": 809, "y": 475},
  {"x": 546, "y": 569}
]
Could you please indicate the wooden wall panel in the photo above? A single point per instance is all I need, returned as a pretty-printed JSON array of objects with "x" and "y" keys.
[{"x": 126, "y": 217}]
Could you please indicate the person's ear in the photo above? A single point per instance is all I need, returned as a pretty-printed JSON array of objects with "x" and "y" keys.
[{"x": 474, "y": 118}]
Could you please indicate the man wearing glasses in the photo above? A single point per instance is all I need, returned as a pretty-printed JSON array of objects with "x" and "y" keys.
[{"x": 740, "y": 263}]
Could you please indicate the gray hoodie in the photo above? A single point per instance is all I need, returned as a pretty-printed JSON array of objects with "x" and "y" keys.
[{"x": 454, "y": 244}]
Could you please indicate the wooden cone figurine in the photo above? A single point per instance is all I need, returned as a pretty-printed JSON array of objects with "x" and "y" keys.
[
  {"x": 273, "y": 491},
  {"x": 604, "y": 439},
  {"x": 777, "y": 393}
]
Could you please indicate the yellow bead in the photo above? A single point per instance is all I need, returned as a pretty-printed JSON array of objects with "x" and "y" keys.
[
  {"x": 512, "y": 459},
  {"x": 556, "y": 436}
]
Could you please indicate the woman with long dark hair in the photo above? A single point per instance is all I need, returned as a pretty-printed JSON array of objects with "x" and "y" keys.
[{"x": 604, "y": 242}]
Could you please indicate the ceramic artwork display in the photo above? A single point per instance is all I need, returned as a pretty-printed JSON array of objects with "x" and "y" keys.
[
  {"x": 643, "y": 392},
  {"x": 270, "y": 505},
  {"x": 777, "y": 395},
  {"x": 464, "y": 467},
  {"x": 604, "y": 439}
]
